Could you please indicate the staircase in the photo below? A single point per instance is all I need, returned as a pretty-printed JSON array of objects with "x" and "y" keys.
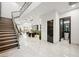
[{"x": 8, "y": 37}]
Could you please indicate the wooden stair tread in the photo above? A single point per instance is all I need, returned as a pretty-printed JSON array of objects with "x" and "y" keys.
[
  {"x": 7, "y": 45},
  {"x": 6, "y": 25},
  {"x": 7, "y": 35},
  {"x": 7, "y": 29},
  {"x": 2, "y": 42},
  {"x": 7, "y": 32},
  {"x": 5, "y": 22},
  {"x": 7, "y": 42},
  {"x": 7, "y": 39}
]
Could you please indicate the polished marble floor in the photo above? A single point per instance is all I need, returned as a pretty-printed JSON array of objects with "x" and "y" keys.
[{"x": 33, "y": 47}]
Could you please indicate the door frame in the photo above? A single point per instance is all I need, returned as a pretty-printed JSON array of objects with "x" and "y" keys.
[{"x": 60, "y": 28}]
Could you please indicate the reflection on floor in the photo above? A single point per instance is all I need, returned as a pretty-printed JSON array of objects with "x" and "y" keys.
[{"x": 33, "y": 47}]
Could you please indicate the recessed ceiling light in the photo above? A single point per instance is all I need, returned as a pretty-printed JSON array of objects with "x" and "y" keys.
[{"x": 73, "y": 5}]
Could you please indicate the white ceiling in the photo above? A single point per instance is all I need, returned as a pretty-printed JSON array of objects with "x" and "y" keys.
[
  {"x": 45, "y": 7},
  {"x": 49, "y": 6},
  {"x": 20, "y": 3}
]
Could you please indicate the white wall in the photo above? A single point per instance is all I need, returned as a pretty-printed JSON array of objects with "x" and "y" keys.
[
  {"x": 56, "y": 27},
  {"x": 36, "y": 20},
  {"x": 52, "y": 15},
  {"x": 43, "y": 29},
  {"x": 74, "y": 24},
  {"x": 7, "y": 8}
]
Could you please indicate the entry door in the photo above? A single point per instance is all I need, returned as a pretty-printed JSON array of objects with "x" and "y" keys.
[
  {"x": 50, "y": 31},
  {"x": 65, "y": 28}
]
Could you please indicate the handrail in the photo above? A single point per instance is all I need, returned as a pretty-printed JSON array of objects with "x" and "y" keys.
[
  {"x": 16, "y": 30},
  {"x": 22, "y": 6},
  {"x": 25, "y": 6}
]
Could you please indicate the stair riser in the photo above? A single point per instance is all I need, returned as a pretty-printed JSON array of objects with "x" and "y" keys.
[
  {"x": 5, "y": 43},
  {"x": 7, "y": 33},
  {"x": 1, "y": 26},
  {"x": 6, "y": 23},
  {"x": 7, "y": 36},
  {"x": 8, "y": 47},
  {"x": 7, "y": 30},
  {"x": 7, "y": 39},
  {"x": 5, "y": 26}
]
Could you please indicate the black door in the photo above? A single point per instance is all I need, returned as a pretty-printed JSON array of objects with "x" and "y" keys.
[
  {"x": 50, "y": 31},
  {"x": 61, "y": 29}
]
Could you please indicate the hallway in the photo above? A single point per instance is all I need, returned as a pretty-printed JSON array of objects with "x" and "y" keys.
[
  {"x": 32, "y": 18},
  {"x": 33, "y": 47}
]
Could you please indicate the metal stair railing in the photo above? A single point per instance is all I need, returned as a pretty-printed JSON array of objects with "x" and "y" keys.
[{"x": 17, "y": 14}]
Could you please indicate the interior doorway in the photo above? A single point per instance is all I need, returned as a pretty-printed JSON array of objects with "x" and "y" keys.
[
  {"x": 65, "y": 29},
  {"x": 50, "y": 31}
]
